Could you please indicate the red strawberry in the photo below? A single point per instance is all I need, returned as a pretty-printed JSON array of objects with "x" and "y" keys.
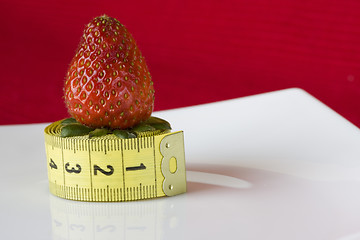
[{"x": 108, "y": 83}]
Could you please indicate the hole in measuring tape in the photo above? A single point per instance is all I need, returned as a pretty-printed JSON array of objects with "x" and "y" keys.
[
  {"x": 172, "y": 165},
  {"x": 167, "y": 145},
  {"x": 171, "y": 187}
]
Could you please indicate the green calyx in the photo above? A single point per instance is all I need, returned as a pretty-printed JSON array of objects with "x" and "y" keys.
[
  {"x": 74, "y": 129},
  {"x": 71, "y": 128},
  {"x": 124, "y": 134}
]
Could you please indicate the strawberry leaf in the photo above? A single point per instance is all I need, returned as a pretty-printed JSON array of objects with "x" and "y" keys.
[
  {"x": 74, "y": 129},
  {"x": 70, "y": 128},
  {"x": 158, "y": 123},
  {"x": 123, "y": 134},
  {"x": 142, "y": 127},
  {"x": 98, "y": 132},
  {"x": 68, "y": 120}
]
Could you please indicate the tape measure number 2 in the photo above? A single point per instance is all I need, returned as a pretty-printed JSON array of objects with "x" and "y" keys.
[{"x": 113, "y": 169}]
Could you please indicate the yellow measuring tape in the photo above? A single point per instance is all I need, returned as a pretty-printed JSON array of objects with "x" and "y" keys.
[{"x": 111, "y": 169}]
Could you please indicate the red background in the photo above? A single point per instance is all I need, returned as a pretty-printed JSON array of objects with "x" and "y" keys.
[{"x": 197, "y": 51}]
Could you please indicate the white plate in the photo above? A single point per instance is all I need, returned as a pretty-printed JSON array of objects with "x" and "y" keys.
[{"x": 279, "y": 165}]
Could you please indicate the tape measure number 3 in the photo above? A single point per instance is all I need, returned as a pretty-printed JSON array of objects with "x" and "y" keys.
[{"x": 111, "y": 169}]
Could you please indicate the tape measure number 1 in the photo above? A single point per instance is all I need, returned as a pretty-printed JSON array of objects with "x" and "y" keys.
[{"x": 113, "y": 169}]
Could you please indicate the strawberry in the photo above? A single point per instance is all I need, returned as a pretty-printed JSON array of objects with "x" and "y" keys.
[{"x": 108, "y": 83}]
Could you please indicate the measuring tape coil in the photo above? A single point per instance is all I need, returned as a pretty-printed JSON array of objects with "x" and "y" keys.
[{"x": 110, "y": 169}]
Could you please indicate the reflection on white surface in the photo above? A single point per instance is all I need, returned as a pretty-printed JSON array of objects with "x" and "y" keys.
[
  {"x": 149, "y": 219},
  {"x": 216, "y": 179},
  {"x": 294, "y": 201}
]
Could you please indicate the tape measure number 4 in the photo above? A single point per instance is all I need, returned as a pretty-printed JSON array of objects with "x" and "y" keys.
[{"x": 113, "y": 169}]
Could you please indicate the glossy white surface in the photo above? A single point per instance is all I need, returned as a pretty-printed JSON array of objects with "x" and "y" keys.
[{"x": 279, "y": 165}]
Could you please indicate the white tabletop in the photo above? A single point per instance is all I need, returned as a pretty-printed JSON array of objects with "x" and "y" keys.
[{"x": 279, "y": 165}]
